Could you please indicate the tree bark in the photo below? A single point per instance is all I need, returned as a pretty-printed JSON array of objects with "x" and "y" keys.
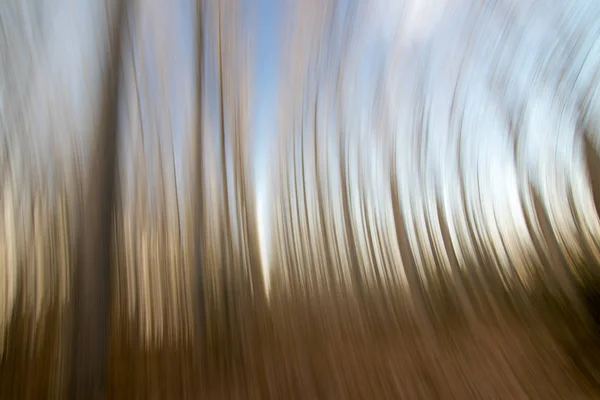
[{"x": 93, "y": 273}]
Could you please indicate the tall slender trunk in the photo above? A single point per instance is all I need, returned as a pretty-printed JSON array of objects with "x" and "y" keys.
[
  {"x": 228, "y": 277},
  {"x": 92, "y": 276},
  {"x": 199, "y": 244}
]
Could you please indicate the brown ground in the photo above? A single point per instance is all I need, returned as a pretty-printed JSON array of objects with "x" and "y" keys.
[
  {"x": 513, "y": 360},
  {"x": 510, "y": 361}
]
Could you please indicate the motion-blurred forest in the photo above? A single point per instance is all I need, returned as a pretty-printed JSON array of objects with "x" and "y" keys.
[{"x": 431, "y": 229}]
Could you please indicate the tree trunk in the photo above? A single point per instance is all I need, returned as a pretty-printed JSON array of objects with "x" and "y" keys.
[{"x": 93, "y": 272}]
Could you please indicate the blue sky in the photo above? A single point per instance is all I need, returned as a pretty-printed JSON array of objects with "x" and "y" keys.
[{"x": 265, "y": 116}]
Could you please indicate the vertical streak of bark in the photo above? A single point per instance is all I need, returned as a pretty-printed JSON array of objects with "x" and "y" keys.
[
  {"x": 92, "y": 276},
  {"x": 198, "y": 241}
]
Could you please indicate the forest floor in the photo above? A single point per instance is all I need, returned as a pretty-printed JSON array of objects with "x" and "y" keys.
[{"x": 508, "y": 362}]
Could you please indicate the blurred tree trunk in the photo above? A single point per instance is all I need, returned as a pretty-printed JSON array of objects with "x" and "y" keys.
[
  {"x": 93, "y": 272},
  {"x": 199, "y": 244}
]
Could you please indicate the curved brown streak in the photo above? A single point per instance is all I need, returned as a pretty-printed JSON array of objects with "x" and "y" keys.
[
  {"x": 251, "y": 229},
  {"x": 350, "y": 240},
  {"x": 452, "y": 290},
  {"x": 415, "y": 285},
  {"x": 454, "y": 286},
  {"x": 382, "y": 285},
  {"x": 277, "y": 274},
  {"x": 456, "y": 271},
  {"x": 139, "y": 197},
  {"x": 337, "y": 251},
  {"x": 287, "y": 215},
  {"x": 516, "y": 288},
  {"x": 493, "y": 267},
  {"x": 225, "y": 230},
  {"x": 285, "y": 211},
  {"x": 312, "y": 246},
  {"x": 162, "y": 281},
  {"x": 286, "y": 258},
  {"x": 241, "y": 253},
  {"x": 280, "y": 272},
  {"x": 349, "y": 226},
  {"x": 317, "y": 241},
  {"x": 464, "y": 301},
  {"x": 284, "y": 287},
  {"x": 238, "y": 176},
  {"x": 242, "y": 271},
  {"x": 314, "y": 266},
  {"x": 247, "y": 282},
  {"x": 209, "y": 259},
  {"x": 387, "y": 258},
  {"x": 388, "y": 254},
  {"x": 291, "y": 250},
  {"x": 198, "y": 231},
  {"x": 367, "y": 228},
  {"x": 424, "y": 246},
  {"x": 592, "y": 162},
  {"x": 296, "y": 262},
  {"x": 495, "y": 290},
  {"x": 333, "y": 251},
  {"x": 239, "y": 273},
  {"x": 124, "y": 252},
  {"x": 297, "y": 232},
  {"x": 497, "y": 82},
  {"x": 385, "y": 250},
  {"x": 418, "y": 293},
  {"x": 299, "y": 225},
  {"x": 549, "y": 255},
  {"x": 481, "y": 262},
  {"x": 320, "y": 204},
  {"x": 562, "y": 280},
  {"x": 307, "y": 221},
  {"x": 302, "y": 207},
  {"x": 577, "y": 205},
  {"x": 448, "y": 242},
  {"x": 513, "y": 127},
  {"x": 176, "y": 268},
  {"x": 546, "y": 246},
  {"x": 247, "y": 195},
  {"x": 481, "y": 286},
  {"x": 92, "y": 278},
  {"x": 302, "y": 220}
]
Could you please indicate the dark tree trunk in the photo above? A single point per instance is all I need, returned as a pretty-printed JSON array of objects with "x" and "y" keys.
[{"x": 92, "y": 276}]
